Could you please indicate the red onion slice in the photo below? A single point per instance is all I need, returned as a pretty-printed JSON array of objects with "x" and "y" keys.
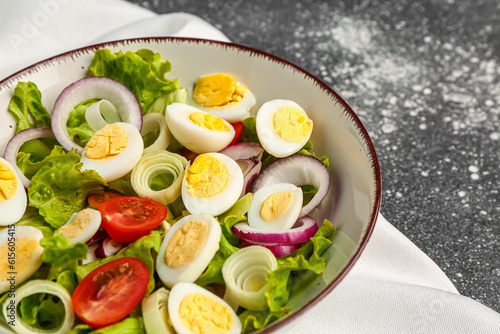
[
  {"x": 88, "y": 88},
  {"x": 250, "y": 176},
  {"x": 98, "y": 236},
  {"x": 244, "y": 151},
  {"x": 15, "y": 143},
  {"x": 302, "y": 231},
  {"x": 300, "y": 170},
  {"x": 108, "y": 247},
  {"x": 279, "y": 250},
  {"x": 250, "y": 169}
]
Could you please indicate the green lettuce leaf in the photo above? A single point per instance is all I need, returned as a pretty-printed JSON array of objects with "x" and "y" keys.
[
  {"x": 308, "y": 257},
  {"x": 126, "y": 326},
  {"x": 160, "y": 104},
  {"x": 255, "y": 320},
  {"x": 145, "y": 249},
  {"x": 239, "y": 208},
  {"x": 123, "y": 186},
  {"x": 213, "y": 273},
  {"x": 34, "y": 154},
  {"x": 235, "y": 215},
  {"x": 143, "y": 72},
  {"x": 32, "y": 218},
  {"x": 249, "y": 130},
  {"x": 59, "y": 189},
  {"x": 308, "y": 150},
  {"x": 26, "y": 102},
  {"x": 78, "y": 129},
  {"x": 63, "y": 256}
]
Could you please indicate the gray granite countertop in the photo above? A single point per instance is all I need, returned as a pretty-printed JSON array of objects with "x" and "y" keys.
[{"x": 424, "y": 78}]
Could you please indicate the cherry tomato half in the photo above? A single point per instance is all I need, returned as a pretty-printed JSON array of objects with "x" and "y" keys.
[
  {"x": 111, "y": 291},
  {"x": 96, "y": 199},
  {"x": 128, "y": 218},
  {"x": 238, "y": 129}
]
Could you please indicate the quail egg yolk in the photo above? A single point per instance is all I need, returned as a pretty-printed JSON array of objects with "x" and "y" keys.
[
  {"x": 77, "y": 226},
  {"x": 208, "y": 121},
  {"x": 218, "y": 90},
  {"x": 291, "y": 124},
  {"x": 200, "y": 313},
  {"x": 24, "y": 252},
  {"x": 8, "y": 182},
  {"x": 206, "y": 177},
  {"x": 106, "y": 143},
  {"x": 275, "y": 206},
  {"x": 186, "y": 243}
]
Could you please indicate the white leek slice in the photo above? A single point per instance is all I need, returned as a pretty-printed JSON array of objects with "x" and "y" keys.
[
  {"x": 31, "y": 288},
  {"x": 100, "y": 114},
  {"x": 155, "y": 313},
  {"x": 156, "y": 163},
  {"x": 154, "y": 122},
  {"x": 245, "y": 275}
]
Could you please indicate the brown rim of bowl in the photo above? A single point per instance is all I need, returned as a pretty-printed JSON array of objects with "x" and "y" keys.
[{"x": 373, "y": 156}]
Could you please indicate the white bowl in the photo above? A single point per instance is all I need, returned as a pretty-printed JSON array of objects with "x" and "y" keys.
[{"x": 354, "y": 198}]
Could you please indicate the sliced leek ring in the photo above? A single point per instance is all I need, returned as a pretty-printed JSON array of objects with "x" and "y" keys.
[
  {"x": 156, "y": 163},
  {"x": 155, "y": 313},
  {"x": 245, "y": 275},
  {"x": 9, "y": 307},
  {"x": 152, "y": 122}
]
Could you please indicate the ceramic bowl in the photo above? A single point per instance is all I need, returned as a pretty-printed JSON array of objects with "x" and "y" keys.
[{"x": 354, "y": 197}]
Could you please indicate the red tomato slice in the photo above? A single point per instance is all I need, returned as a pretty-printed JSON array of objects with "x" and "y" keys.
[
  {"x": 238, "y": 129},
  {"x": 96, "y": 199},
  {"x": 128, "y": 218},
  {"x": 111, "y": 291}
]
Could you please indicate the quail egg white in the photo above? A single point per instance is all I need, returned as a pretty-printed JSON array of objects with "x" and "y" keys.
[
  {"x": 283, "y": 127},
  {"x": 222, "y": 96},
  {"x": 275, "y": 207},
  {"x": 13, "y": 198},
  {"x": 197, "y": 130},
  {"x": 193, "y": 309},
  {"x": 82, "y": 225},
  {"x": 187, "y": 248},
  {"x": 24, "y": 243},
  {"x": 113, "y": 151},
  {"x": 212, "y": 184}
]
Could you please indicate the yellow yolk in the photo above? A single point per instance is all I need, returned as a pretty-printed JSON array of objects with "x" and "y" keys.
[
  {"x": 218, "y": 90},
  {"x": 208, "y": 121},
  {"x": 8, "y": 182},
  {"x": 291, "y": 124},
  {"x": 24, "y": 252},
  {"x": 200, "y": 313},
  {"x": 106, "y": 143},
  {"x": 275, "y": 206},
  {"x": 77, "y": 226},
  {"x": 186, "y": 243},
  {"x": 206, "y": 177}
]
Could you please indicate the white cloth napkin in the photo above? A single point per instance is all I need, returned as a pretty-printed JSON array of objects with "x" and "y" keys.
[{"x": 393, "y": 288}]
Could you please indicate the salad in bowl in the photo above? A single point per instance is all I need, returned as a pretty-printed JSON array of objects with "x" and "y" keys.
[{"x": 176, "y": 186}]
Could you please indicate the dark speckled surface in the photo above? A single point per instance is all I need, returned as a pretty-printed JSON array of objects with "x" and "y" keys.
[{"x": 424, "y": 78}]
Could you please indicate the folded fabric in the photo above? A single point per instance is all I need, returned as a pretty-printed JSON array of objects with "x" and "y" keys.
[{"x": 393, "y": 288}]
